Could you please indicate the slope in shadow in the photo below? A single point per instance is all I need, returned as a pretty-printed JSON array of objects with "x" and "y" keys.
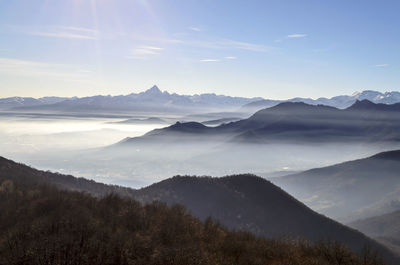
[
  {"x": 242, "y": 202},
  {"x": 351, "y": 190}
]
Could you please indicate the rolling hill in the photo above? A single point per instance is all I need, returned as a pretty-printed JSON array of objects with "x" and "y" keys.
[{"x": 241, "y": 202}]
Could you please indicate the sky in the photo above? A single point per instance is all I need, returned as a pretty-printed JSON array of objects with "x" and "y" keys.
[{"x": 269, "y": 48}]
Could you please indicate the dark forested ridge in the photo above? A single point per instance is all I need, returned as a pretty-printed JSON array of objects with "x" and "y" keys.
[
  {"x": 64, "y": 182},
  {"x": 41, "y": 224},
  {"x": 248, "y": 202}
]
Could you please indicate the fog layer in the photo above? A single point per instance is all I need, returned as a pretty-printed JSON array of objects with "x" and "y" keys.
[{"x": 79, "y": 146}]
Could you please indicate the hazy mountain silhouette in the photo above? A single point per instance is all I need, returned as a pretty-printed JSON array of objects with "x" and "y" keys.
[
  {"x": 341, "y": 102},
  {"x": 219, "y": 121},
  {"x": 387, "y": 225},
  {"x": 15, "y": 102},
  {"x": 152, "y": 100},
  {"x": 384, "y": 228},
  {"x": 243, "y": 202},
  {"x": 299, "y": 122},
  {"x": 366, "y": 105},
  {"x": 150, "y": 120},
  {"x": 350, "y": 190}
]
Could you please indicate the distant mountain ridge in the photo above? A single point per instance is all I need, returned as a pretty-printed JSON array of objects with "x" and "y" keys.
[
  {"x": 297, "y": 121},
  {"x": 351, "y": 190},
  {"x": 340, "y": 102},
  {"x": 384, "y": 228},
  {"x": 387, "y": 225},
  {"x": 155, "y": 100},
  {"x": 151, "y": 100},
  {"x": 14, "y": 102}
]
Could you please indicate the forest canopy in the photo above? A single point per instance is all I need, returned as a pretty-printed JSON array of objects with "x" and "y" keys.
[{"x": 40, "y": 224}]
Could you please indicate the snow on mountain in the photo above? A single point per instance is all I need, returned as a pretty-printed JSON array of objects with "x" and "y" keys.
[
  {"x": 152, "y": 99},
  {"x": 156, "y": 100},
  {"x": 13, "y": 102},
  {"x": 343, "y": 101}
]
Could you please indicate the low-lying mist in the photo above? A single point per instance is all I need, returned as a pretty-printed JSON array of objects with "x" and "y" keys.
[
  {"x": 79, "y": 146},
  {"x": 105, "y": 149},
  {"x": 31, "y": 135}
]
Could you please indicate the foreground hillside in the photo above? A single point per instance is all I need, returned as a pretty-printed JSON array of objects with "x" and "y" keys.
[
  {"x": 247, "y": 202},
  {"x": 242, "y": 202},
  {"x": 351, "y": 190},
  {"x": 43, "y": 225}
]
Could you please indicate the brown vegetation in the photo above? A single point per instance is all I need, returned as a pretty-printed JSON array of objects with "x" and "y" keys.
[{"x": 40, "y": 224}]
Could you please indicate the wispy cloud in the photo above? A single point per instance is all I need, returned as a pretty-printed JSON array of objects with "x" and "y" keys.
[
  {"x": 143, "y": 52},
  {"x": 227, "y": 44},
  {"x": 195, "y": 29},
  {"x": 248, "y": 46},
  {"x": 26, "y": 68},
  {"x": 152, "y": 46},
  {"x": 147, "y": 50},
  {"x": 156, "y": 39},
  {"x": 67, "y": 32},
  {"x": 64, "y": 35},
  {"x": 209, "y": 60},
  {"x": 382, "y": 65},
  {"x": 93, "y": 31},
  {"x": 296, "y": 36},
  {"x": 206, "y": 43}
]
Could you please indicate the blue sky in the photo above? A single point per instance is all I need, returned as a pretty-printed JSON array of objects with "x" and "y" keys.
[{"x": 273, "y": 49}]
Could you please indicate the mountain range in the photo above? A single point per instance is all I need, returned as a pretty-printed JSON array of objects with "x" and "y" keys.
[
  {"x": 155, "y": 101},
  {"x": 16, "y": 102},
  {"x": 152, "y": 100},
  {"x": 241, "y": 202},
  {"x": 363, "y": 121},
  {"x": 341, "y": 102},
  {"x": 355, "y": 189}
]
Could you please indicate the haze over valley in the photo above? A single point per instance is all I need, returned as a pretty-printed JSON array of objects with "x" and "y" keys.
[
  {"x": 199, "y": 132},
  {"x": 103, "y": 146}
]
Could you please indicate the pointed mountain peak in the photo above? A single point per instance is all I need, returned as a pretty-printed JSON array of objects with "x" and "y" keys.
[{"x": 154, "y": 90}]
